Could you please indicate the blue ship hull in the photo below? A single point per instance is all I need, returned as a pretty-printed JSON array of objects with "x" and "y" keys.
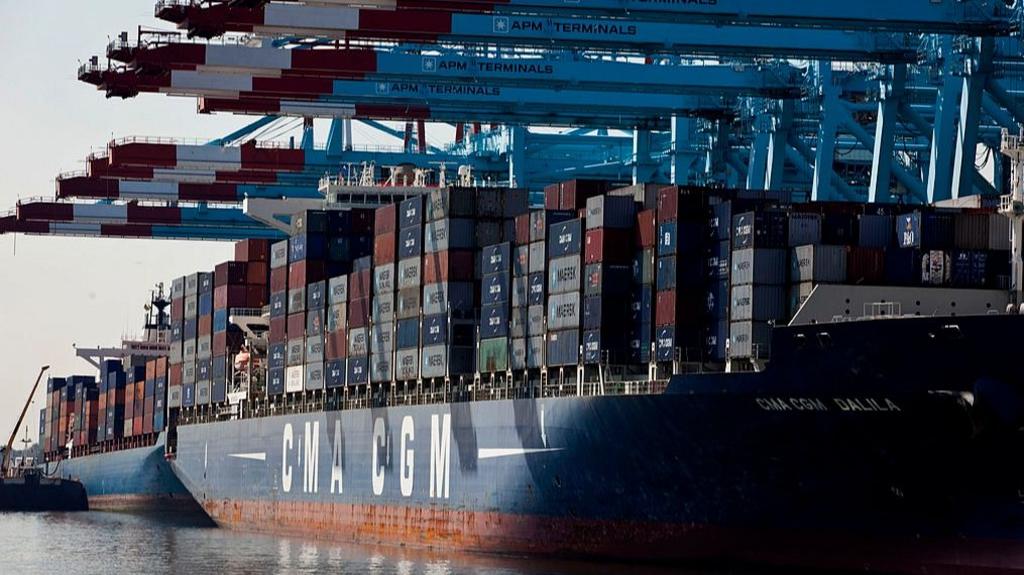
[
  {"x": 130, "y": 479},
  {"x": 837, "y": 465}
]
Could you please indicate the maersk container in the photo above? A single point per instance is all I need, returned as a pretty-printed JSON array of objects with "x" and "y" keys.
[
  {"x": 382, "y": 338},
  {"x": 296, "y": 300},
  {"x": 517, "y": 358},
  {"x": 334, "y": 374},
  {"x": 358, "y": 371},
  {"x": 456, "y": 298},
  {"x": 296, "y": 352},
  {"x": 520, "y": 291},
  {"x": 192, "y": 282},
  {"x": 750, "y": 339},
  {"x": 681, "y": 271},
  {"x": 874, "y": 231},
  {"x": 337, "y": 290},
  {"x": 536, "y": 351},
  {"x": 762, "y": 229},
  {"x": 613, "y": 212},
  {"x": 188, "y": 349},
  {"x": 337, "y": 317},
  {"x": 644, "y": 267},
  {"x": 384, "y": 279},
  {"x": 359, "y": 342},
  {"x": 804, "y": 229},
  {"x": 760, "y": 266},
  {"x": 204, "y": 394},
  {"x": 440, "y": 361},
  {"x": 314, "y": 349},
  {"x": 926, "y": 230},
  {"x": 717, "y": 266},
  {"x": 407, "y": 364},
  {"x": 446, "y": 203},
  {"x": 204, "y": 347},
  {"x": 536, "y": 320},
  {"x": 541, "y": 220},
  {"x": 383, "y": 310},
  {"x": 564, "y": 311},
  {"x": 494, "y": 321},
  {"x": 565, "y": 274},
  {"x": 410, "y": 243},
  {"x": 382, "y": 367},
  {"x": 316, "y": 321},
  {"x": 174, "y": 398},
  {"x": 818, "y": 263},
  {"x": 494, "y": 289},
  {"x": 519, "y": 321},
  {"x": 798, "y": 294},
  {"x": 565, "y": 238},
  {"x": 178, "y": 288},
  {"x": 758, "y": 303},
  {"x": 563, "y": 348},
  {"x": 493, "y": 355},
  {"x": 453, "y": 234},
  {"x": 410, "y": 273},
  {"x": 679, "y": 238},
  {"x": 188, "y": 372},
  {"x": 538, "y": 257},
  {"x": 191, "y": 307},
  {"x": 410, "y": 212},
  {"x": 294, "y": 378},
  {"x": 407, "y": 303},
  {"x": 496, "y": 259}
]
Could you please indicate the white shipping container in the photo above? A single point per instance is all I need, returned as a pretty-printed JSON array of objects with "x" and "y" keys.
[
  {"x": 817, "y": 263},
  {"x": 294, "y": 378}
]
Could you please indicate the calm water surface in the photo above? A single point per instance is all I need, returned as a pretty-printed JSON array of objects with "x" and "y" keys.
[{"x": 97, "y": 542}]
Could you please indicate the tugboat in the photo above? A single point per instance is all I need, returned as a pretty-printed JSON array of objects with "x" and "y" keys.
[{"x": 24, "y": 487}]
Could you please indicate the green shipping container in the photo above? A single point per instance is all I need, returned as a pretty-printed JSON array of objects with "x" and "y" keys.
[{"x": 493, "y": 355}]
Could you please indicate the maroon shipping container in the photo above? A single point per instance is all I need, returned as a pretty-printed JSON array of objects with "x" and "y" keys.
[
  {"x": 177, "y": 309},
  {"x": 256, "y": 296},
  {"x": 227, "y": 296},
  {"x": 278, "y": 330},
  {"x": 252, "y": 251},
  {"x": 610, "y": 246},
  {"x": 384, "y": 248},
  {"x": 359, "y": 312},
  {"x": 151, "y": 370},
  {"x": 675, "y": 202},
  {"x": 129, "y": 408},
  {"x": 385, "y": 219},
  {"x": 230, "y": 273},
  {"x": 174, "y": 375},
  {"x": 360, "y": 284},
  {"x": 257, "y": 273},
  {"x": 140, "y": 398},
  {"x": 279, "y": 280},
  {"x": 523, "y": 229},
  {"x": 220, "y": 343},
  {"x": 575, "y": 193},
  {"x": 865, "y": 266},
  {"x": 449, "y": 266},
  {"x": 676, "y": 308},
  {"x": 305, "y": 272},
  {"x": 147, "y": 414},
  {"x": 337, "y": 345},
  {"x": 646, "y": 229},
  {"x": 296, "y": 325},
  {"x": 205, "y": 325},
  {"x": 552, "y": 196}
]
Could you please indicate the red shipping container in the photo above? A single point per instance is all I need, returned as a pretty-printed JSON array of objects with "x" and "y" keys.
[
  {"x": 575, "y": 193},
  {"x": 608, "y": 246},
  {"x": 161, "y": 367},
  {"x": 359, "y": 284},
  {"x": 257, "y": 273},
  {"x": 174, "y": 375},
  {"x": 865, "y": 266},
  {"x": 384, "y": 248},
  {"x": 523, "y": 229},
  {"x": 177, "y": 309},
  {"x": 147, "y": 414},
  {"x": 137, "y": 423},
  {"x": 252, "y": 251},
  {"x": 552, "y": 196},
  {"x": 676, "y": 202},
  {"x": 385, "y": 219},
  {"x": 359, "y": 312},
  {"x": 129, "y": 407},
  {"x": 229, "y": 296},
  {"x": 151, "y": 369},
  {"x": 449, "y": 266},
  {"x": 296, "y": 325},
  {"x": 205, "y": 325},
  {"x": 337, "y": 345},
  {"x": 278, "y": 330},
  {"x": 220, "y": 343},
  {"x": 230, "y": 273},
  {"x": 646, "y": 229},
  {"x": 279, "y": 280},
  {"x": 256, "y": 296},
  {"x": 676, "y": 308},
  {"x": 305, "y": 272}
]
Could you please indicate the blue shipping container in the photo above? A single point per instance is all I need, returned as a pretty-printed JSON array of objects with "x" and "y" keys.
[
  {"x": 334, "y": 373},
  {"x": 205, "y": 304},
  {"x": 275, "y": 381},
  {"x": 494, "y": 321},
  {"x": 762, "y": 229},
  {"x": 494, "y": 288},
  {"x": 278, "y": 304},
  {"x": 665, "y": 343},
  {"x": 565, "y": 238},
  {"x": 358, "y": 370},
  {"x": 410, "y": 242},
  {"x": 316, "y": 295},
  {"x": 410, "y": 212},
  {"x": 408, "y": 333},
  {"x": 495, "y": 258},
  {"x": 220, "y": 320}
]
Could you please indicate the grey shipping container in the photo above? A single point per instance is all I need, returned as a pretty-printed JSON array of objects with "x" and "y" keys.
[
  {"x": 315, "y": 377},
  {"x": 536, "y": 352},
  {"x": 296, "y": 352},
  {"x": 359, "y": 342},
  {"x": 192, "y": 306},
  {"x": 407, "y": 364},
  {"x": 565, "y": 274},
  {"x": 441, "y": 298},
  {"x": 450, "y": 203},
  {"x": 203, "y": 389},
  {"x": 337, "y": 316},
  {"x": 407, "y": 303},
  {"x": 519, "y": 320},
  {"x": 384, "y": 279},
  {"x": 563, "y": 348},
  {"x": 538, "y": 257},
  {"x": 758, "y": 303},
  {"x": 296, "y": 300},
  {"x": 449, "y": 235},
  {"x": 749, "y": 339},
  {"x": 798, "y": 294},
  {"x": 520, "y": 291},
  {"x": 981, "y": 231},
  {"x": 178, "y": 288},
  {"x": 564, "y": 311},
  {"x": 644, "y": 266},
  {"x": 804, "y": 229},
  {"x": 823, "y": 264},
  {"x": 192, "y": 281},
  {"x": 618, "y": 212},
  {"x": 760, "y": 266},
  {"x": 382, "y": 367},
  {"x": 188, "y": 373},
  {"x": 279, "y": 254},
  {"x": 441, "y": 360},
  {"x": 383, "y": 308},
  {"x": 337, "y": 290},
  {"x": 314, "y": 349},
  {"x": 410, "y": 273},
  {"x": 173, "y": 396},
  {"x": 518, "y": 357},
  {"x": 204, "y": 347},
  {"x": 535, "y": 320}
]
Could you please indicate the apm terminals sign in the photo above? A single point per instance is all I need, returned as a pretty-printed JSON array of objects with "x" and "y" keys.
[{"x": 300, "y": 458}]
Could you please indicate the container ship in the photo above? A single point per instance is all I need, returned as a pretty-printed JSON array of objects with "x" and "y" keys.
[{"x": 651, "y": 373}]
